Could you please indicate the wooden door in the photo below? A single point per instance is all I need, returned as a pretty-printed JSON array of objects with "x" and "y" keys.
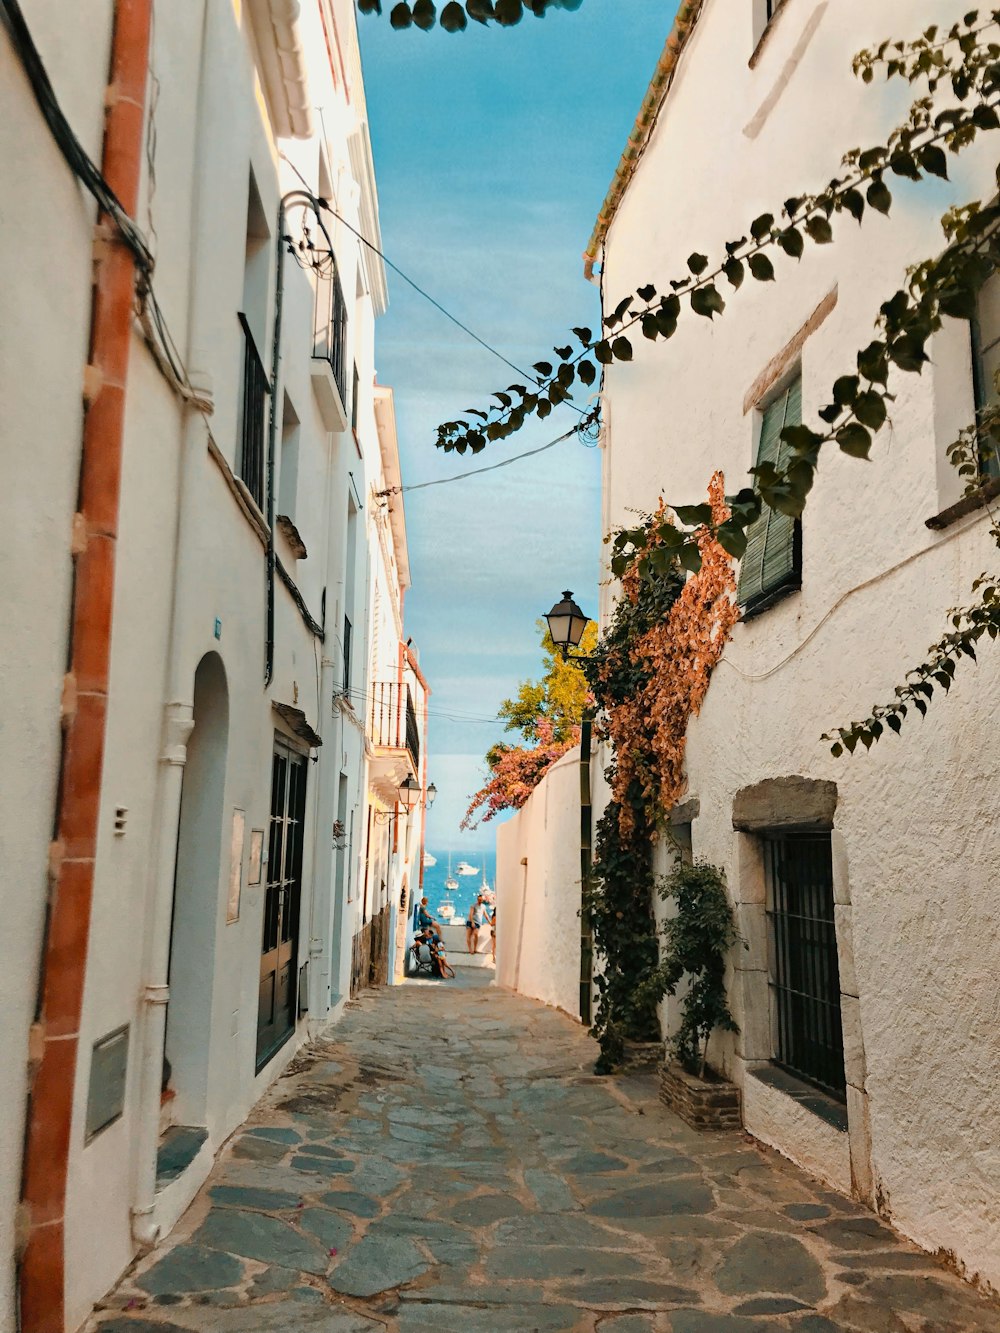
[{"x": 278, "y": 996}]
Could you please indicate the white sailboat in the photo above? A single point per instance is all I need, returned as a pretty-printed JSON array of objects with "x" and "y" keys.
[
  {"x": 465, "y": 869},
  {"x": 446, "y": 909}
]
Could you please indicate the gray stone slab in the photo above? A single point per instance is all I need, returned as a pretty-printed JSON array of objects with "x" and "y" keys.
[
  {"x": 555, "y": 1261},
  {"x": 550, "y": 1192},
  {"x": 677, "y": 1196},
  {"x": 189, "y": 1268},
  {"x": 257, "y": 1236},
  {"x": 244, "y": 1196},
  {"x": 349, "y": 1201},
  {"x": 771, "y": 1263},
  {"x": 424, "y": 1318},
  {"x": 277, "y": 1133},
  {"x": 322, "y": 1166},
  {"x": 703, "y": 1321},
  {"x": 621, "y": 1293},
  {"x": 378, "y": 1263},
  {"x": 330, "y": 1229},
  {"x": 559, "y": 1229},
  {"x": 484, "y": 1209}
]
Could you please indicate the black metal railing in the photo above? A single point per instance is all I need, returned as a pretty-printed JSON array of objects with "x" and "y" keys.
[
  {"x": 393, "y": 720},
  {"x": 253, "y": 416},
  {"x": 804, "y": 971},
  {"x": 330, "y": 331}
]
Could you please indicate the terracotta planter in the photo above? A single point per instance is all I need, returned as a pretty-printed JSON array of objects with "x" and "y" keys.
[{"x": 709, "y": 1103}]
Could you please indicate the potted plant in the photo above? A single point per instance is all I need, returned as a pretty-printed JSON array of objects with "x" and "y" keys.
[{"x": 696, "y": 940}]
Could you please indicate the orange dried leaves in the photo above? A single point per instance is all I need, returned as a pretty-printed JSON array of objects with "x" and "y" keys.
[{"x": 679, "y": 653}]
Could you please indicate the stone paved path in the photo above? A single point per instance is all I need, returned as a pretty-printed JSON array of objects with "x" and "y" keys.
[{"x": 446, "y": 1161}]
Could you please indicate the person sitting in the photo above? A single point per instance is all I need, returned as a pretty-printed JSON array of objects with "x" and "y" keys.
[
  {"x": 424, "y": 918},
  {"x": 439, "y": 960}
]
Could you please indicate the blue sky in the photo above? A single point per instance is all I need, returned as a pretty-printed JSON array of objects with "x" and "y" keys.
[{"x": 493, "y": 151}]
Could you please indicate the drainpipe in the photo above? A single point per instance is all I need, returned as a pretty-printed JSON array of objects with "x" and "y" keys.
[
  {"x": 85, "y": 698},
  {"x": 178, "y": 723}
]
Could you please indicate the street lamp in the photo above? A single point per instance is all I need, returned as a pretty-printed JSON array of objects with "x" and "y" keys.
[
  {"x": 430, "y": 795},
  {"x": 409, "y": 792},
  {"x": 566, "y": 624}
]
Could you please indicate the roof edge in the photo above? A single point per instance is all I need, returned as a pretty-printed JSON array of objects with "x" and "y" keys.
[{"x": 687, "y": 16}]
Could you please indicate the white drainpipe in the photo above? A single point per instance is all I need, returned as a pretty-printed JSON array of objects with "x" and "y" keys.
[{"x": 177, "y": 727}]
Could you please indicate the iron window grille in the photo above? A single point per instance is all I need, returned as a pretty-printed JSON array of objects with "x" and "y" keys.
[
  {"x": 330, "y": 330},
  {"x": 253, "y": 416},
  {"x": 355, "y": 384},
  {"x": 804, "y": 970}
]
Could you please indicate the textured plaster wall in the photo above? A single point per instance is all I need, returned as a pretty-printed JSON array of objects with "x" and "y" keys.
[
  {"x": 538, "y": 904},
  {"x": 916, "y": 820}
]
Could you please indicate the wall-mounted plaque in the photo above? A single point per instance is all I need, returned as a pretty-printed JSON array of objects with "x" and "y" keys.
[
  {"x": 106, "y": 1096},
  {"x": 236, "y": 866}
]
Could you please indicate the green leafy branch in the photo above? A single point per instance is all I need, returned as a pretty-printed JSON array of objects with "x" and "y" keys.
[
  {"x": 944, "y": 285},
  {"x": 969, "y": 625},
  {"x": 454, "y": 16},
  {"x": 916, "y": 149}
]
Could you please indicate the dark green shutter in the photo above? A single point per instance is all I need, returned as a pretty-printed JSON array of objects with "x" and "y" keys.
[{"x": 771, "y": 559}]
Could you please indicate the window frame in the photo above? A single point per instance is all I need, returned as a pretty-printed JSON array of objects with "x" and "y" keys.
[{"x": 792, "y": 581}]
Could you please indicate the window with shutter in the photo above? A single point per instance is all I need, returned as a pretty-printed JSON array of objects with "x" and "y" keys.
[{"x": 772, "y": 564}]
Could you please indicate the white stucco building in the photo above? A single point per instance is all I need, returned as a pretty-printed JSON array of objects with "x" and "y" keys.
[
  {"x": 194, "y": 594},
  {"x": 864, "y": 887}
]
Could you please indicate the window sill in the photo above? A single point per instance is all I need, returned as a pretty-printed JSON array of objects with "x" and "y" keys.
[
  {"x": 768, "y": 599},
  {"x": 977, "y": 499},
  {"x": 821, "y": 1104},
  {"x": 768, "y": 29}
]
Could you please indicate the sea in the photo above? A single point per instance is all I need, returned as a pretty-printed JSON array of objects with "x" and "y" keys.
[{"x": 468, "y": 885}]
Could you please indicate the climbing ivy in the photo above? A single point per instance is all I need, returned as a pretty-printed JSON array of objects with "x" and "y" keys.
[
  {"x": 649, "y": 675},
  {"x": 454, "y": 16}
]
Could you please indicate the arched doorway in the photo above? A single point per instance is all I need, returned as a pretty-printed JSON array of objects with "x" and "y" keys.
[{"x": 196, "y": 898}]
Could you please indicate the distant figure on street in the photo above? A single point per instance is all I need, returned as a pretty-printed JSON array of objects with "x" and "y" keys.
[
  {"x": 472, "y": 924},
  {"x": 493, "y": 933}
]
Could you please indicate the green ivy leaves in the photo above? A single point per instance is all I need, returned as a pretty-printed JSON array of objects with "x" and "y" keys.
[{"x": 455, "y": 16}]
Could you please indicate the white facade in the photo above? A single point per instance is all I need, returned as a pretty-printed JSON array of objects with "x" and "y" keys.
[
  {"x": 538, "y": 891},
  {"x": 186, "y": 884},
  {"x": 914, "y": 838}
]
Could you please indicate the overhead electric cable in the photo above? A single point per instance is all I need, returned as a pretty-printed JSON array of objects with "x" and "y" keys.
[
  {"x": 420, "y": 291},
  {"x": 475, "y": 472}
]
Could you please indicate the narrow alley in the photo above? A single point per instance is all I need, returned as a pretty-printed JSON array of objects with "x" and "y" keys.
[{"x": 446, "y": 1160}]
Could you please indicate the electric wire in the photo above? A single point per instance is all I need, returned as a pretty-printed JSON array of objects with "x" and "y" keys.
[
  {"x": 492, "y": 467},
  {"x": 148, "y": 311},
  {"x": 420, "y": 291}
]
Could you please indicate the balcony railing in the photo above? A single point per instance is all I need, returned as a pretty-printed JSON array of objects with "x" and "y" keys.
[
  {"x": 253, "y": 416},
  {"x": 393, "y": 721},
  {"x": 330, "y": 331}
]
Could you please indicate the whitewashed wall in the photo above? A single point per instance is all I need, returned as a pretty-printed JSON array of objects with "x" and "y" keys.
[
  {"x": 538, "y": 891},
  {"x": 916, "y": 837},
  {"x": 46, "y": 233}
]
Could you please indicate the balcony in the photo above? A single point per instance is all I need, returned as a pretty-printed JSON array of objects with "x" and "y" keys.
[
  {"x": 395, "y": 738},
  {"x": 329, "y": 357}
]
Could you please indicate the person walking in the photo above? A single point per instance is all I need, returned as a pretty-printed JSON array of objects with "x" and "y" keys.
[{"x": 472, "y": 924}]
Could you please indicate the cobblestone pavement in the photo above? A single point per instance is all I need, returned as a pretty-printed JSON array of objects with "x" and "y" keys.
[{"x": 447, "y": 1161}]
